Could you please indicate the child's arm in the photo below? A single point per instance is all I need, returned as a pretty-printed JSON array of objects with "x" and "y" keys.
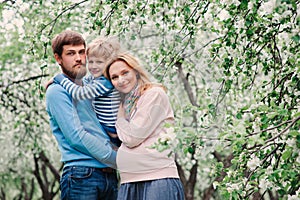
[{"x": 99, "y": 87}]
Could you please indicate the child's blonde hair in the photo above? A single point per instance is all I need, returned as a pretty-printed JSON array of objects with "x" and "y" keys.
[{"x": 106, "y": 48}]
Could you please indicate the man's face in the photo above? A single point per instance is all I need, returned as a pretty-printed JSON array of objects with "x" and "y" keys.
[
  {"x": 96, "y": 65},
  {"x": 73, "y": 61}
]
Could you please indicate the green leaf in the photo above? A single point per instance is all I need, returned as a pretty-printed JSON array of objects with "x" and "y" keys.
[
  {"x": 239, "y": 115},
  {"x": 191, "y": 150},
  {"x": 286, "y": 154},
  {"x": 244, "y": 4},
  {"x": 296, "y": 38},
  {"x": 294, "y": 133}
]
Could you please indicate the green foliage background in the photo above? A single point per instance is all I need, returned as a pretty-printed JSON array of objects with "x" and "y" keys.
[{"x": 232, "y": 69}]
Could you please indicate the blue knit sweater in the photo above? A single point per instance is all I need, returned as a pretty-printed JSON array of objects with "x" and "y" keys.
[
  {"x": 80, "y": 137},
  {"x": 104, "y": 97}
]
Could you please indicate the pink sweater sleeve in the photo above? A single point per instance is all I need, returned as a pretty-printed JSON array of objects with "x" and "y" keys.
[{"x": 152, "y": 109}]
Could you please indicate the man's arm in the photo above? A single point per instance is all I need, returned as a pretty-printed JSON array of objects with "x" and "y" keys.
[
  {"x": 98, "y": 87},
  {"x": 93, "y": 143}
]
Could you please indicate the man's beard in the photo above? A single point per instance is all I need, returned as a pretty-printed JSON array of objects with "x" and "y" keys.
[{"x": 75, "y": 74}]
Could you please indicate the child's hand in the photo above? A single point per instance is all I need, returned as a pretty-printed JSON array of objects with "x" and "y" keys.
[
  {"x": 49, "y": 83},
  {"x": 113, "y": 135}
]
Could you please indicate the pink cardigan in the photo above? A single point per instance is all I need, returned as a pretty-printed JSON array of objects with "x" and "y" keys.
[{"x": 135, "y": 160}]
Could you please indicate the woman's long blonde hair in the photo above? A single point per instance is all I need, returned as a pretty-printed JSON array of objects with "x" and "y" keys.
[{"x": 142, "y": 75}]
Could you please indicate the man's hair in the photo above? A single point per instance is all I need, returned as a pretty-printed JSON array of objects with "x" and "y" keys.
[
  {"x": 66, "y": 37},
  {"x": 106, "y": 48}
]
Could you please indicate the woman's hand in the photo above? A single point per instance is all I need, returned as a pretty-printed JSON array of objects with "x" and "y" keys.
[{"x": 121, "y": 112}]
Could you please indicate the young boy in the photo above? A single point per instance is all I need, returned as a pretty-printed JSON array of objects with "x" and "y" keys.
[{"x": 96, "y": 87}]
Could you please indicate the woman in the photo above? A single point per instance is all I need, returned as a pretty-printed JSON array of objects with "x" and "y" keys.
[{"x": 144, "y": 112}]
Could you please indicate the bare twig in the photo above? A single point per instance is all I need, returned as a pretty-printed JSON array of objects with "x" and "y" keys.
[
  {"x": 24, "y": 80},
  {"x": 284, "y": 130}
]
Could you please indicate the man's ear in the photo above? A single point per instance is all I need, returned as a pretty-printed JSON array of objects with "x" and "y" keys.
[{"x": 57, "y": 58}]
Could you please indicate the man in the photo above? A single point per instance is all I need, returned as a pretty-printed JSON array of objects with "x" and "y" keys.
[{"x": 86, "y": 150}]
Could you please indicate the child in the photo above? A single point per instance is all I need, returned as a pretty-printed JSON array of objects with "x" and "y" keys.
[{"x": 105, "y": 98}]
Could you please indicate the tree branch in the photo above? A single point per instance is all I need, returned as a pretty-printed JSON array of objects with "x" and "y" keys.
[
  {"x": 50, "y": 166},
  {"x": 186, "y": 84},
  {"x": 271, "y": 128},
  {"x": 24, "y": 80},
  {"x": 284, "y": 130}
]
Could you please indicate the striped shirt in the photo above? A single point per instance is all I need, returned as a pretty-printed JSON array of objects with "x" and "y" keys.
[{"x": 105, "y": 98}]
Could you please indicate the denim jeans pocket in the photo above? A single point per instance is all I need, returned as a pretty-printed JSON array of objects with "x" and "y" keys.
[
  {"x": 80, "y": 182},
  {"x": 80, "y": 172},
  {"x": 77, "y": 183}
]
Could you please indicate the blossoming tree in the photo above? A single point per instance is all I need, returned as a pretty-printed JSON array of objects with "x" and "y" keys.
[{"x": 232, "y": 73}]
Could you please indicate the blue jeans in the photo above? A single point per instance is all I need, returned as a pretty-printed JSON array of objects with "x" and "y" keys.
[
  {"x": 81, "y": 183},
  {"x": 160, "y": 189}
]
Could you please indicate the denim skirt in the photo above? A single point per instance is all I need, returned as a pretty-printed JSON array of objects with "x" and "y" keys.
[{"x": 159, "y": 189}]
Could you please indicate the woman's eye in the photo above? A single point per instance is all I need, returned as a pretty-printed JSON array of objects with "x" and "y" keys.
[{"x": 114, "y": 78}]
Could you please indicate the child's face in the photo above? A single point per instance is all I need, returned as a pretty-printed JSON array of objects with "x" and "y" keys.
[{"x": 96, "y": 65}]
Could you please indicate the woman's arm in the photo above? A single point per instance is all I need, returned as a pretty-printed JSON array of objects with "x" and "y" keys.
[{"x": 152, "y": 110}]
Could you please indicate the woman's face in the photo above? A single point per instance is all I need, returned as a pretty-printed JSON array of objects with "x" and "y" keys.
[{"x": 122, "y": 76}]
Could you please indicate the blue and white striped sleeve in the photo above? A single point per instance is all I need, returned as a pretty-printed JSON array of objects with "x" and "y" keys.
[{"x": 97, "y": 87}]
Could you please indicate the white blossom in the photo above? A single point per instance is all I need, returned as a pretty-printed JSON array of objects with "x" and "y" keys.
[
  {"x": 9, "y": 27},
  {"x": 253, "y": 163},
  {"x": 293, "y": 197},
  {"x": 44, "y": 38},
  {"x": 290, "y": 142},
  {"x": 232, "y": 187},
  {"x": 224, "y": 15},
  {"x": 215, "y": 184},
  {"x": 296, "y": 196},
  {"x": 298, "y": 159},
  {"x": 269, "y": 170},
  {"x": 276, "y": 17},
  {"x": 19, "y": 2},
  {"x": 256, "y": 127},
  {"x": 265, "y": 184},
  {"x": 24, "y": 7},
  {"x": 8, "y": 15},
  {"x": 266, "y": 7},
  {"x": 287, "y": 13}
]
